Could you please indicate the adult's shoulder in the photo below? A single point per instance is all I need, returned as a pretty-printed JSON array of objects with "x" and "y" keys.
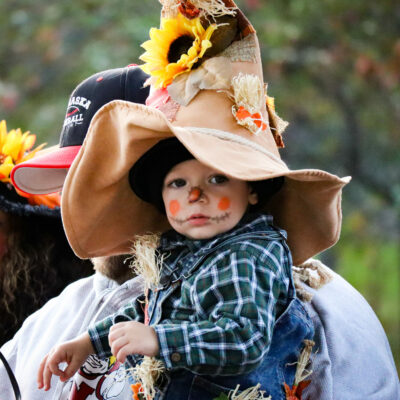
[
  {"x": 64, "y": 306},
  {"x": 353, "y": 358}
]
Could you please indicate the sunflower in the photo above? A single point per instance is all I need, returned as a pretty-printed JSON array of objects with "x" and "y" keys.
[
  {"x": 175, "y": 48},
  {"x": 14, "y": 149}
]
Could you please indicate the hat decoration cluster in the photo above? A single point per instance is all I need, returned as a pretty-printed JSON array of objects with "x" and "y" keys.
[
  {"x": 15, "y": 148},
  {"x": 194, "y": 49}
]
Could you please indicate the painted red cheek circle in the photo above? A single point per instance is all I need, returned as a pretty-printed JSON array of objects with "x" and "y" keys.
[
  {"x": 174, "y": 207},
  {"x": 224, "y": 204}
]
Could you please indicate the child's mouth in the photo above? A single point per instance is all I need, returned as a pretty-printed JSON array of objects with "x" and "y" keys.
[{"x": 198, "y": 219}]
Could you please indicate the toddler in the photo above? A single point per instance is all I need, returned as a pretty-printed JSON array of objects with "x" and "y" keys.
[{"x": 224, "y": 312}]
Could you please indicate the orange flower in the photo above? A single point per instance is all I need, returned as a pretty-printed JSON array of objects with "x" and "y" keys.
[
  {"x": 51, "y": 200},
  {"x": 14, "y": 149},
  {"x": 296, "y": 391},
  {"x": 137, "y": 391},
  {"x": 242, "y": 115}
]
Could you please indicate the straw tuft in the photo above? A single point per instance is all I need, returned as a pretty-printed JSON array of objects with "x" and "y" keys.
[
  {"x": 312, "y": 273},
  {"x": 211, "y": 8},
  {"x": 214, "y": 8},
  {"x": 248, "y": 95},
  {"x": 248, "y": 92},
  {"x": 147, "y": 374},
  {"x": 252, "y": 393},
  {"x": 146, "y": 262},
  {"x": 301, "y": 372}
]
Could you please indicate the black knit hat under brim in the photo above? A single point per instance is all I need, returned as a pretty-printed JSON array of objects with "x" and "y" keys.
[
  {"x": 147, "y": 176},
  {"x": 12, "y": 203}
]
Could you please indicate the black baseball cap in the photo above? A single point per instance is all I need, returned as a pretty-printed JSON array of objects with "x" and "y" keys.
[{"x": 46, "y": 172}]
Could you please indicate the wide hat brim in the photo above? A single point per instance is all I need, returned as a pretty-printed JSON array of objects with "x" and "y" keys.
[
  {"x": 102, "y": 215},
  {"x": 46, "y": 172}
]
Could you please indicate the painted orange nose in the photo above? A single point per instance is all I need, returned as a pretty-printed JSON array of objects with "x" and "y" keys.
[{"x": 195, "y": 194}]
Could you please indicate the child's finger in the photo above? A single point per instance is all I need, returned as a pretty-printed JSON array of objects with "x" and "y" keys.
[
  {"x": 118, "y": 343},
  {"x": 40, "y": 372},
  {"x": 53, "y": 363},
  {"x": 122, "y": 354},
  {"x": 72, "y": 367},
  {"x": 46, "y": 377},
  {"x": 114, "y": 335},
  {"x": 118, "y": 328}
]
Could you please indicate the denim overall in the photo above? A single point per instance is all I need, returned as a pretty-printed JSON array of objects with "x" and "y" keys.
[{"x": 279, "y": 365}]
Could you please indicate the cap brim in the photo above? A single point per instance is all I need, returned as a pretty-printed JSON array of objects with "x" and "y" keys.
[{"x": 44, "y": 173}]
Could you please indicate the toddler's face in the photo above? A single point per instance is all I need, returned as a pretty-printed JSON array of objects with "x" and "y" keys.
[{"x": 201, "y": 202}]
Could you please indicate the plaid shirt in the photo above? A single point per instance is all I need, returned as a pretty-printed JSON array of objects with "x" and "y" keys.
[{"x": 232, "y": 289}]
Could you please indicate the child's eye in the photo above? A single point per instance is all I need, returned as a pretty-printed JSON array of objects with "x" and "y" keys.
[
  {"x": 177, "y": 183},
  {"x": 218, "y": 179}
]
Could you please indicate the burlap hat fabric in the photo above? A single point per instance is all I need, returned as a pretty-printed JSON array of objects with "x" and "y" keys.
[{"x": 217, "y": 111}]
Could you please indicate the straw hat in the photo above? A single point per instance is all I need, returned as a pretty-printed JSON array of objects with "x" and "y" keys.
[{"x": 208, "y": 92}]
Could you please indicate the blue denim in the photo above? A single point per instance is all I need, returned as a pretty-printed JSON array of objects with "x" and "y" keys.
[
  {"x": 278, "y": 366},
  {"x": 291, "y": 328}
]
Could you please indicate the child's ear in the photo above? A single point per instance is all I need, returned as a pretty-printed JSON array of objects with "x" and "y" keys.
[{"x": 253, "y": 196}]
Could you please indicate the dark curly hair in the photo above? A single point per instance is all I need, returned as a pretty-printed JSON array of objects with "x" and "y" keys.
[{"x": 37, "y": 266}]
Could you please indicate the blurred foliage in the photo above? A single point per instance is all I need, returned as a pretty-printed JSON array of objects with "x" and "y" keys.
[{"x": 332, "y": 65}]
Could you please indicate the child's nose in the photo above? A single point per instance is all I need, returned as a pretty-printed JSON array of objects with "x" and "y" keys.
[{"x": 195, "y": 194}]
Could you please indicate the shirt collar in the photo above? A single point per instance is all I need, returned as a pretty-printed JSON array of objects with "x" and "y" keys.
[{"x": 172, "y": 240}]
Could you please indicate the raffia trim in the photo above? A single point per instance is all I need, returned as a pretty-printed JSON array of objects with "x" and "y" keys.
[
  {"x": 252, "y": 393},
  {"x": 312, "y": 273},
  {"x": 301, "y": 372},
  {"x": 146, "y": 262},
  {"x": 244, "y": 50},
  {"x": 248, "y": 92},
  {"x": 147, "y": 373},
  {"x": 212, "y": 8},
  {"x": 169, "y": 8},
  {"x": 248, "y": 95}
]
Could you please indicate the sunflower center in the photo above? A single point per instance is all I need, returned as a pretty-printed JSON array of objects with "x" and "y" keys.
[{"x": 178, "y": 47}]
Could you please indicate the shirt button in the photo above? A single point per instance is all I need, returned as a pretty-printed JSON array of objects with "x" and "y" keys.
[{"x": 175, "y": 357}]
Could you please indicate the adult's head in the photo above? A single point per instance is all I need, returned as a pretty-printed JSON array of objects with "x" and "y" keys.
[
  {"x": 36, "y": 262},
  {"x": 47, "y": 172}
]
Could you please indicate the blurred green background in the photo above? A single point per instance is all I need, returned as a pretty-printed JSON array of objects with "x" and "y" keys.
[{"x": 333, "y": 67}]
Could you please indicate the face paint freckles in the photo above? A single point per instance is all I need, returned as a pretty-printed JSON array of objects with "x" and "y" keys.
[
  {"x": 174, "y": 207},
  {"x": 224, "y": 203}
]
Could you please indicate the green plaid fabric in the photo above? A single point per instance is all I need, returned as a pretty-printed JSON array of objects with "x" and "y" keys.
[{"x": 220, "y": 316}]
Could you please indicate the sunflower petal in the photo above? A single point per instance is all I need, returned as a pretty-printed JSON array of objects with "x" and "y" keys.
[
  {"x": 157, "y": 48},
  {"x": 3, "y": 132},
  {"x": 5, "y": 169},
  {"x": 12, "y": 144}
]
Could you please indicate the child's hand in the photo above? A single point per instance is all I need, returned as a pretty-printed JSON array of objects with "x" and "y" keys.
[
  {"x": 74, "y": 353},
  {"x": 132, "y": 337}
]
